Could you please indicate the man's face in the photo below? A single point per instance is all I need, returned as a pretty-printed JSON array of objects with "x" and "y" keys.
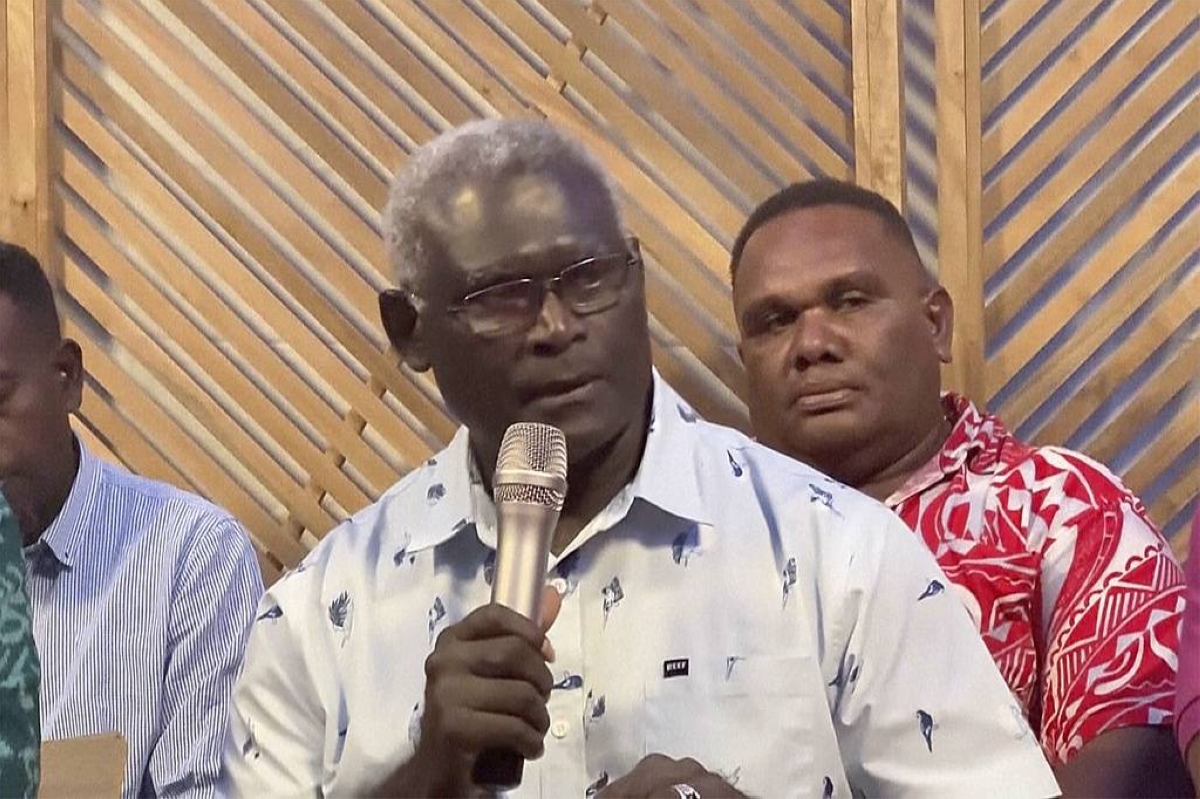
[
  {"x": 586, "y": 373},
  {"x": 842, "y": 335},
  {"x": 39, "y": 388}
]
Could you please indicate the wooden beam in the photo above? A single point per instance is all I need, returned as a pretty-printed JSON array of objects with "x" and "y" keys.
[
  {"x": 960, "y": 188},
  {"x": 24, "y": 173},
  {"x": 878, "y": 97}
]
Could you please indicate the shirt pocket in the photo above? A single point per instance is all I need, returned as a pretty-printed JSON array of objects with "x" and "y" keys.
[{"x": 747, "y": 719}]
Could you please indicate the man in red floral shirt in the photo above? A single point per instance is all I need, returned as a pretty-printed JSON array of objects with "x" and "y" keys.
[{"x": 843, "y": 333}]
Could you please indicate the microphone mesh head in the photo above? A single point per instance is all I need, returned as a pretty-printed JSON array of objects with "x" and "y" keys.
[{"x": 532, "y": 447}]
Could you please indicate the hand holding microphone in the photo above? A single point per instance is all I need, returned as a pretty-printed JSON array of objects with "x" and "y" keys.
[{"x": 486, "y": 681}]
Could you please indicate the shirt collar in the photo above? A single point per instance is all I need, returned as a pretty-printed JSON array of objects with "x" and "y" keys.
[
  {"x": 973, "y": 436},
  {"x": 456, "y": 498},
  {"x": 65, "y": 535},
  {"x": 667, "y": 476}
]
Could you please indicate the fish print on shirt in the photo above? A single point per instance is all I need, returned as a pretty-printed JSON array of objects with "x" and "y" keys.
[
  {"x": 489, "y": 567},
  {"x": 934, "y": 588},
  {"x": 685, "y": 545},
  {"x": 341, "y": 744},
  {"x": 270, "y": 614},
  {"x": 340, "y": 610},
  {"x": 613, "y": 595},
  {"x": 437, "y": 612},
  {"x": 300, "y": 568},
  {"x": 250, "y": 748},
  {"x": 827, "y": 788},
  {"x": 599, "y": 785},
  {"x": 730, "y": 663},
  {"x": 435, "y": 493},
  {"x": 847, "y": 674},
  {"x": 569, "y": 682},
  {"x": 789, "y": 579},
  {"x": 414, "y": 726},
  {"x": 734, "y": 466},
  {"x": 927, "y": 726},
  {"x": 403, "y": 557},
  {"x": 567, "y": 571},
  {"x": 593, "y": 708},
  {"x": 823, "y": 497},
  {"x": 686, "y": 414}
]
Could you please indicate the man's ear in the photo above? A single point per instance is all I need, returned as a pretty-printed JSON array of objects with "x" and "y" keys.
[
  {"x": 939, "y": 312},
  {"x": 68, "y": 365},
  {"x": 401, "y": 322}
]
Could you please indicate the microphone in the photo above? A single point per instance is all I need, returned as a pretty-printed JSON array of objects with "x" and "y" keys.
[{"x": 529, "y": 488}]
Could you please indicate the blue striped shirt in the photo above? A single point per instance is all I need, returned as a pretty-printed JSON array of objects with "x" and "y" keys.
[{"x": 142, "y": 596}]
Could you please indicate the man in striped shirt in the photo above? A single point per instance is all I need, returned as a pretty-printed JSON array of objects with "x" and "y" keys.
[{"x": 142, "y": 594}]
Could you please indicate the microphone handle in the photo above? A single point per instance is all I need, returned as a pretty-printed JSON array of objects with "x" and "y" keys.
[{"x": 523, "y": 550}]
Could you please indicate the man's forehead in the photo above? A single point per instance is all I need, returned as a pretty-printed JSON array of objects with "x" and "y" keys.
[
  {"x": 821, "y": 240},
  {"x": 482, "y": 224}
]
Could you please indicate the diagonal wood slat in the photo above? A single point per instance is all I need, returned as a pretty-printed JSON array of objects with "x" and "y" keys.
[
  {"x": 221, "y": 171},
  {"x": 1092, "y": 168},
  {"x": 217, "y": 169}
]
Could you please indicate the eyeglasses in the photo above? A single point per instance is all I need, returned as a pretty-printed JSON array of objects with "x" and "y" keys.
[{"x": 586, "y": 287}]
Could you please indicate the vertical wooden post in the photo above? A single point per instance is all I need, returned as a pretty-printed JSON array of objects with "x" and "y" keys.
[
  {"x": 24, "y": 138},
  {"x": 960, "y": 188},
  {"x": 878, "y": 78}
]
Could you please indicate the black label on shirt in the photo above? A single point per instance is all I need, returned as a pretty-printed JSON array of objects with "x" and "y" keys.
[{"x": 675, "y": 668}]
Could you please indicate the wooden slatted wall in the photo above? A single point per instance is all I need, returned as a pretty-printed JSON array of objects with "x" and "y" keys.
[
  {"x": 222, "y": 167},
  {"x": 217, "y": 166},
  {"x": 1089, "y": 208}
]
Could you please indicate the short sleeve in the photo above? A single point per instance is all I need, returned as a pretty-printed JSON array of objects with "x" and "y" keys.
[
  {"x": 919, "y": 706},
  {"x": 1113, "y": 628},
  {"x": 276, "y": 730}
]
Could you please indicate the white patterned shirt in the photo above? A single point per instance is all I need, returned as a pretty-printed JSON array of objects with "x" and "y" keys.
[
  {"x": 729, "y": 605},
  {"x": 142, "y": 596}
]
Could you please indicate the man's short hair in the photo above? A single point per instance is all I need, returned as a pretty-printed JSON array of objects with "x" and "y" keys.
[
  {"x": 479, "y": 151},
  {"x": 817, "y": 192},
  {"x": 25, "y": 284}
]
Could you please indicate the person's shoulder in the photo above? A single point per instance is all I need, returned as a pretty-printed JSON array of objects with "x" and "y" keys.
[
  {"x": 788, "y": 477},
  {"x": 832, "y": 513},
  {"x": 1057, "y": 474},
  {"x": 173, "y": 509},
  {"x": 353, "y": 547}
]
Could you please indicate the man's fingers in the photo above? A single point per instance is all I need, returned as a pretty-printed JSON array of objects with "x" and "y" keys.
[
  {"x": 471, "y": 731},
  {"x": 655, "y": 775},
  {"x": 551, "y": 605},
  {"x": 515, "y": 698},
  {"x": 507, "y": 658},
  {"x": 495, "y": 621}
]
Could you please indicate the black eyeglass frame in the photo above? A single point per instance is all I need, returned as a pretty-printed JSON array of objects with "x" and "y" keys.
[{"x": 630, "y": 259}]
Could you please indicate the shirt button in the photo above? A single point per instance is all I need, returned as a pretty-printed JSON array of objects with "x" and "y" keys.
[
  {"x": 559, "y": 729},
  {"x": 559, "y": 585}
]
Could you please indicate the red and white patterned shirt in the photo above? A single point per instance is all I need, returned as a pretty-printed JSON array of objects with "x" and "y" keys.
[{"x": 1076, "y": 594}]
